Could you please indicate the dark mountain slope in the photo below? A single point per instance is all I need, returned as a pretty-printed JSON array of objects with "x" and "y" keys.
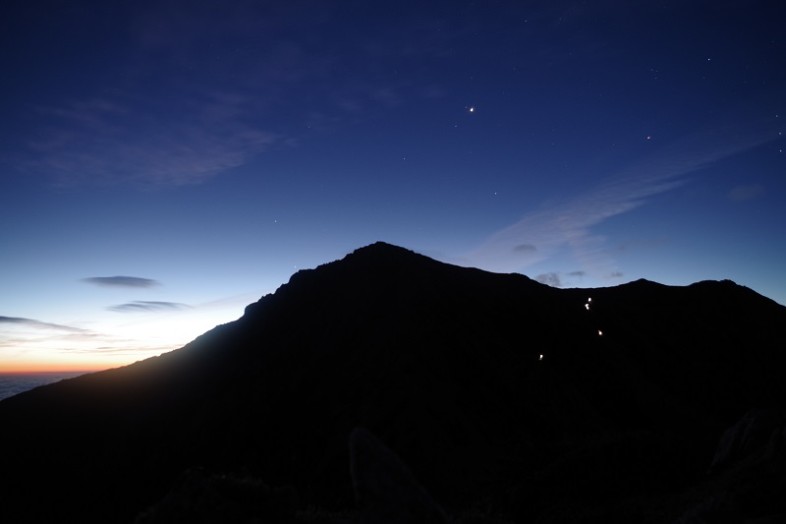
[{"x": 443, "y": 364}]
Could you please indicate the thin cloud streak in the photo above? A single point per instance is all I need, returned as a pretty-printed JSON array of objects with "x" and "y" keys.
[
  {"x": 525, "y": 248},
  {"x": 122, "y": 281},
  {"x": 568, "y": 224},
  {"x": 37, "y": 324},
  {"x": 142, "y": 306},
  {"x": 131, "y": 350}
]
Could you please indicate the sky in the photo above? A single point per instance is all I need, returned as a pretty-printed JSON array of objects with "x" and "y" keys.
[{"x": 165, "y": 163}]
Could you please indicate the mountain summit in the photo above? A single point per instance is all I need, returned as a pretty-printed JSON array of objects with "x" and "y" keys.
[{"x": 501, "y": 396}]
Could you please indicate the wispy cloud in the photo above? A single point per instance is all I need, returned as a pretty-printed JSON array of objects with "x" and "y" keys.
[
  {"x": 551, "y": 279},
  {"x": 37, "y": 324},
  {"x": 569, "y": 223},
  {"x": 122, "y": 281},
  {"x": 560, "y": 279},
  {"x": 118, "y": 139},
  {"x": 746, "y": 192},
  {"x": 524, "y": 248},
  {"x": 182, "y": 108},
  {"x": 141, "y": 306}
]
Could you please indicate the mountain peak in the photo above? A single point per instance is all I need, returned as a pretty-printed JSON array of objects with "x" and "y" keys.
[
  {"x": 382, "y": 250},
  {"x": 370, "y": 268},
  {"x": 492, "y": 387},
  {"x": 386, "y": 258}
]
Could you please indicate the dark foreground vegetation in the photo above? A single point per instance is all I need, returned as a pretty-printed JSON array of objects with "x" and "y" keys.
[{"x": 388, "y": 387}]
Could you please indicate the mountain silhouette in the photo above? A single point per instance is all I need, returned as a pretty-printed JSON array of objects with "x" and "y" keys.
[{"x": 507, "y": 399}]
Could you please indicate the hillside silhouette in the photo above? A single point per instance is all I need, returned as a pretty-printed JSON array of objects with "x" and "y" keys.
[{"x": 505, "y": 398}]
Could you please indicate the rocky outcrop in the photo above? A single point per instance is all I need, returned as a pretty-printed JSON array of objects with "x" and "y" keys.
[
  {"x": 747, "y": 477},
  {"x": 202, "y": 498},
  {"x": 385, "y": 489},
  {"x": 760, "y": 435}
]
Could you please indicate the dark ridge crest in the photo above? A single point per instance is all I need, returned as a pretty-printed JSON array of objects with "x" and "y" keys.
[{"x": 481, "y": 395}]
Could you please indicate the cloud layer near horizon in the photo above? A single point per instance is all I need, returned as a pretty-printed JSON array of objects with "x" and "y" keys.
[{"x": 122, "y": 281}]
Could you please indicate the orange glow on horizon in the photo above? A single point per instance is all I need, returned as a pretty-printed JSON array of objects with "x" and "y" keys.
[{"x": 26, "y": 368}]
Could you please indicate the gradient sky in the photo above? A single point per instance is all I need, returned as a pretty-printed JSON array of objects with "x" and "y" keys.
[{"x": 165, "y": 163}]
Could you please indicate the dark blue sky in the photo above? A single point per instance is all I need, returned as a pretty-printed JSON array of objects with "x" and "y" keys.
[{"x": 213, "y": 148}]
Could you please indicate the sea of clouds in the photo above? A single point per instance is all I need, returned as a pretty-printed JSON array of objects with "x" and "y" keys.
[{"x": 13, "y": 384}]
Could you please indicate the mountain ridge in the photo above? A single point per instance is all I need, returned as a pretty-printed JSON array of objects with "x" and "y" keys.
[{"x": 483, "y": 382}]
